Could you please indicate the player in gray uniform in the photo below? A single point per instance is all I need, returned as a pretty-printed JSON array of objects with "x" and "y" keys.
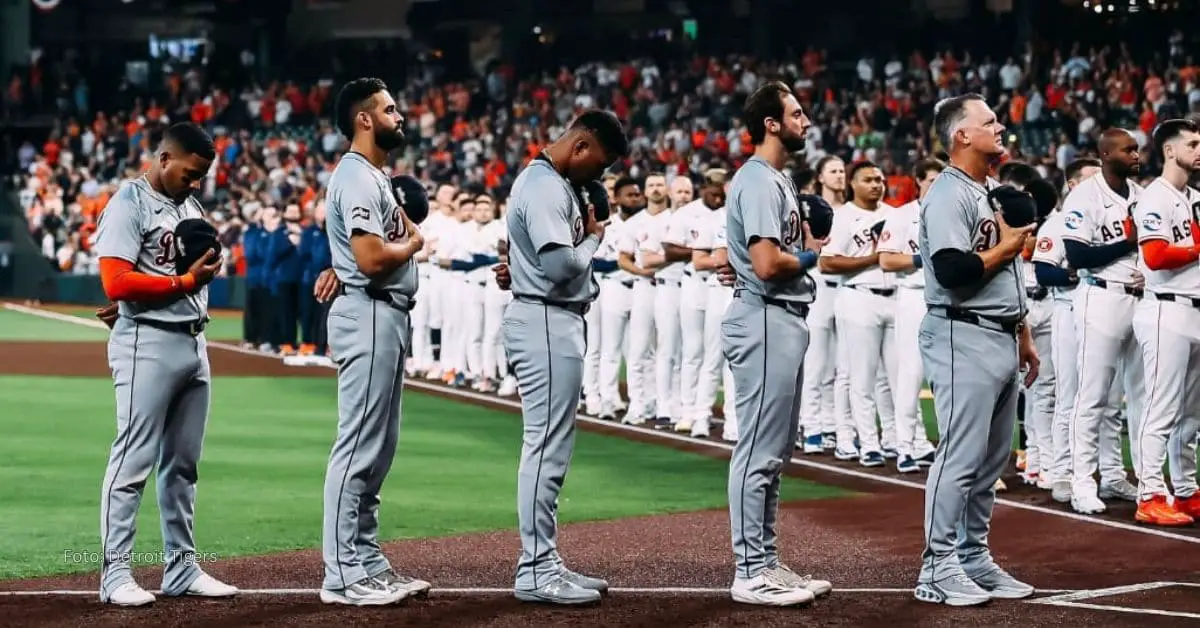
[
  {"x": 551, "y": 243},
  {"x": 372, "y": 242},
  {"x": 973, "y": 343},
  {"x": 772, "y": 293},
  {"x": 159, "y": 360}
]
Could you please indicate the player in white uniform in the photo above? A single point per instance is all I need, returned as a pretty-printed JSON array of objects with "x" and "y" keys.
[
  {"x": 427, "y": 313},
  {"x": 495, "y": 300},
  {"x": 1099, "y": 236},
  {"x": 455, "y": 256},
  {"x": 693, "y": 298},
  {"x": 900, "y": 254},
  {"x": 1167, "y": 325},
  {"x": 616, "y": 296},
  {"x": 711, "y": 253},
  {"x": 825, "y": 396},
  {"x": 632, "y": 248},
  {"x": 866, "y": 309},
  {"x": 487, "y": 309}
]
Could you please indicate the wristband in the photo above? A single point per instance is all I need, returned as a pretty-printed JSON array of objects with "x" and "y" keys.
[
  {"x": 808, "y": 259},
  {"x": 188, "y": 282},
  {"x": 916, "y": 259}
]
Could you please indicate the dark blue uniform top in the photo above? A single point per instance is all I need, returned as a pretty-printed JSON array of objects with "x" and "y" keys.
[
  {"x": 254, "y": 244},
  {"x": 314, "y": 253},
  {"x": 284, "y": 259}
]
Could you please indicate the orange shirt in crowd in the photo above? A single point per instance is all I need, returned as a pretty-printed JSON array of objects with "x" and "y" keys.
[{"x": 901, "y": 189}]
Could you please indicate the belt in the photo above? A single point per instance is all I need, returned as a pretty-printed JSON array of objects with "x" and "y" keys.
[
  {"x": 793, "y": 307},
  {"x": 831, "y": 284},
  {"x": 628, "y": 283},
  {"x": 883, "y": 292},
  {"x": 191, "y": 328},
  {"x": 1038, "y": 293},
  {"x": 1118, "y": 287},
  {"x": 398, "y": 301},
  {"x": 570, "y": 306},
  {"x": 1177, "y": 298},
  {"x": 967, "y": 316},
  {"x": 665, "y": 282}
]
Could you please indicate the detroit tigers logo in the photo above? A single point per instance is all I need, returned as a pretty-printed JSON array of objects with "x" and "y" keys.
[
  {"x": 1073, "y": 219},
  {"x": 791, "y": 231},
  {"x": 169, "y": 249},
  {"x": 396, "y": 229},
  {"x": 987, "y": 235},
  {"x": 1152, "y": 221},
  {"x": 1045, "y": 244},
  {"x": 577, "y": 230}
]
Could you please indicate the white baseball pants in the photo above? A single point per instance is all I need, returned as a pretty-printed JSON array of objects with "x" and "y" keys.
[
  {"x": 667, "y": 350},
  {"x": 1039, "y": 415},
  {"x": 456, "y": 306},
  {"x": 615, "y": 301},
  {"x": 1169, "y": 334},
  {"x": 495, "y": 361},
  {"x": 819, "y": 412},
  {"x": 1104, "y": 322},
  {"x": 911, "y": 437},
  {"x": 591, "y": 354},
  {"x": 714, "y": 369},
  {"x": 639, "y": 367},
  {"x": 422, "y": 345},
  {"x": 693, "y": 298},
  {"x": 867, "y": 330}
]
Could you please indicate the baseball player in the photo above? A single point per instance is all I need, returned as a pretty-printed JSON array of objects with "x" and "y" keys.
[
  {"x": 494, "y": 237},
  {"x": 770, "y": 255},
  {"x": 720, "y": 295},
  {"x": 373, "y": 244},
  {"x": 616, "y": 291},
  {"x": 1099, "y": 235},
  {"x": 973, "y": 346},
  {"x": 825, "y": 400},
  {"x": 900, "y": 254},
  {"x": 551, "y": 246},
  {"x": 605, "y": 263},
  {"x": 640, "y": 376},
  {"x": 1167, "y": 324},
  {"x": 427, "y": 314},
  {"x": 865, "y": 311},
  {"x": 452, "y": 246},
  {"x": 159, "y": 361}
]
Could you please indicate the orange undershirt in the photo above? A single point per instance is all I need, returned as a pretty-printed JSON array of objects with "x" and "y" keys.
[
  {"x": 1159, "y": 255},
  {"x": 122, "y": 283}
]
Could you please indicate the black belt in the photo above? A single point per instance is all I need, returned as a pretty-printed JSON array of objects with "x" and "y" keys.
[
  {"x": 399, "y": 301},
  {"x": 832, "y": 284},
  {"x": 1177, "y": 298},
  {"x": 627, "y": 283},
  {"x": 663, "y": 282},
  {"x": 570, "y": 306},
  {"x": 1101, "y": 283},
  {"x": 191, "y": 328},
  {"x": 793, "y": 307},
  {"x": 967, "y": 316},
  {"x": 1038, "y": 293},
  {"x": 883, "y": 292}
]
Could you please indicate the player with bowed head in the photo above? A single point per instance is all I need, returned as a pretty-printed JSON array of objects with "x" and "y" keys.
[
  {"x": 973, "y": 346},
  {"x": 1167, "y": 325},
  {"x": 159, "y": 359},
  {"x": 551, "y": 246},
  {"x": 770, "y": 251},
  {"x": 372, "y": 241}
]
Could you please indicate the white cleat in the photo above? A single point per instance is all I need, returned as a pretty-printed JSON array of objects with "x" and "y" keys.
[
  {"x": 1087, "y": 504},
  {"x": 1123, "y": 490},
  {"x": 767, "y": 590},
  {"x": 208, "y": 586},
  {"x": 508, "y": 387},
  {"x": 129, "y": 594},
  {"x": 729, "y": 437},
  {"x": 683, "y": 426},
  {"x": 365, "y": 592},
  {"x": 700, "y": 429}
]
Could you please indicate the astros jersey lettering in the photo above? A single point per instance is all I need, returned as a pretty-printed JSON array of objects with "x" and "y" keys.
[
  {"x": 900, "y": 233},
  {"x": 851, "y": 236},
  {"x": 1094, "y": 214},
  {"x": 1166, "y": 213}
]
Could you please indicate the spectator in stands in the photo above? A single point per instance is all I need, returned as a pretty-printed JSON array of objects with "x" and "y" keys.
[
  {"x": 286, "y": 269},
  {"x": 315, "y": 257}
]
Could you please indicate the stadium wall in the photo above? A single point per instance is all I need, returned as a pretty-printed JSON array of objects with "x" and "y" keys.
[{"x": 24, "y": 272}]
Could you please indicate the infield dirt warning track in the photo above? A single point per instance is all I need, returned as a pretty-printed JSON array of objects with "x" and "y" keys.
[{"x": 670, "y": 570}]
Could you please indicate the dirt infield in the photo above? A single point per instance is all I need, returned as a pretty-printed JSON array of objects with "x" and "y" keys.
[{"x": 868, "y": 545}]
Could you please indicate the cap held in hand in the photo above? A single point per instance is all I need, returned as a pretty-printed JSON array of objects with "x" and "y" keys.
[
  {"x": 1018, "y": 208},
  {"x": 593, "y": 193},
  {"x": 818, "y": 214},
  {"x": 411, "y": 196},
  {"x": 194, "y": 237}
]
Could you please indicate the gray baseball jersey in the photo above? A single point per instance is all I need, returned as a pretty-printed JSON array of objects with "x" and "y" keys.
[
  {"x": 360, "y": 198},
  {"x": 762, "y": 204},
  {"x": 956, "y": 215},
  {"x": 138, "y": 226},
  {"x": 544, "y": 211}
]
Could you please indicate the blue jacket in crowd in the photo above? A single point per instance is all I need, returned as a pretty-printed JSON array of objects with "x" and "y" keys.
[
  {"x": 254, "y": 247},
  {"x": 314, "y": 253},
  {"x": 285, "y": 262}
]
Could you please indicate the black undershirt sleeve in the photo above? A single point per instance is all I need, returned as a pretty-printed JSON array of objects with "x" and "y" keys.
[{"x": 957, "y": 269}]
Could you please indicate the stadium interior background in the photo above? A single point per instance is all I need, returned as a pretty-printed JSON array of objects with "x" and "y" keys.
[{"x": 67, "y": 61}]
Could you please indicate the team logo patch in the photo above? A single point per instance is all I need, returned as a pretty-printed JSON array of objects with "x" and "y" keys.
[
  {"x": 885, "y": 236},
  {"x": 792, "y": 234},
  {"x": 1073, "y": 219},
  {"x": 987, "y": 235},
  {"x": 695, "y": 234},
  {"x": 170, "y": 249},
  {"x": 1152, "y": 222},
  {"x": 1045, "y": 244},
  {"x": 578, "y": 230}
]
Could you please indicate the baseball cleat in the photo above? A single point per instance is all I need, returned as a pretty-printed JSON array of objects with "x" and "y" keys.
[
  {"x": 558, "y": 591},
  {"x": 508, "y": 387},
  {"x": 842, "y": 454},
  {"x": 587, "y": 582},
  {"x": 608, "y": 417},
  {"x": 1159, "y": 512},
  {"x": 729, "y": 437},
  {"x": 128, "y": 594},
  {"x": 1189, "y": 506},
  {"x": 813, "y": 444},
  {"x": 925, "y": 460},
  {"x": 817, "y": 587},
  {"x": 366, "y": 592},
  {"x": 871, "y": 459},
  {"x": 906, "y": 464},
  {"x": 829, "y": 441},
  {"x": 1087, "y": 504},
  {"x": 683, "y": 426},
  {"x": 767, "y": 589},
  {"x": 1000, "y": 486},
  {"x": 412, "y": 587},
  {"x": 1000, "y": 585},
  {"x": 1122, "y": 490},
  {"x": 207, "y": 586},
  {"x": 1030, "y": 477},
  {"x": 1060, "y": 491},
  {"x": 700, "y": 429},
  {"x": 890, "y": 453},
  {"x": 633, "y": 420},
  {"x": 957, "y": 590}
]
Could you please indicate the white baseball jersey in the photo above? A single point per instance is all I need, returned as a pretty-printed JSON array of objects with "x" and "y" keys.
[
  {"x": 1050, "y": 250},
  {"x": 1166, "y": 213},
  {"x": 1095, "y": 215},
  {"x": 682, "y": 229},
  {"x": 635, "y": 236},
  {"x": 610, "y": 246},
  {"x": 660, "y": 226},
  {"x": 704, "y": 237},
  {"x": 455, "y": 240},
  {"x": 851, "y": 237},
  {"x": 900, "y": 233}
]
